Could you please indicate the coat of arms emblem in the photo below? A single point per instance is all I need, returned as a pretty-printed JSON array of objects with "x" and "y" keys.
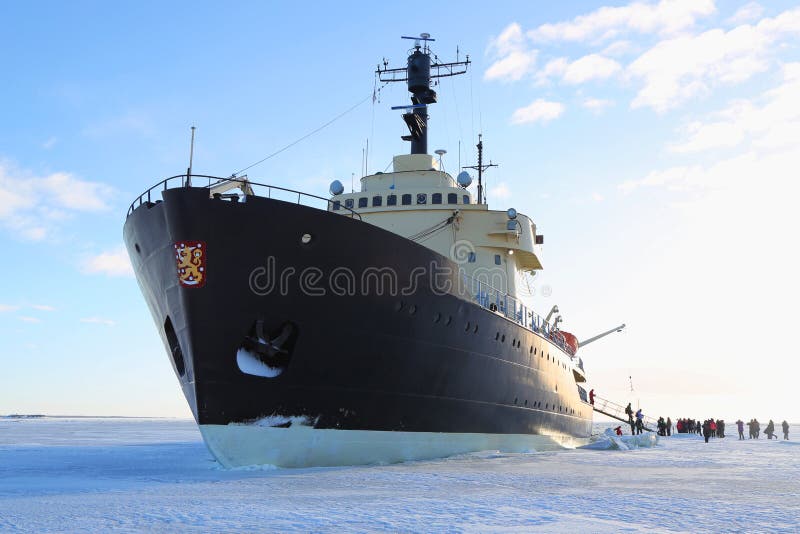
[{"x": 190, "y": 257}]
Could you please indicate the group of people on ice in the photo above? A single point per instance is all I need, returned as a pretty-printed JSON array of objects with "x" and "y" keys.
[
  {"x": 688, "y": 426},
  {"x": 754, "y": 428}
]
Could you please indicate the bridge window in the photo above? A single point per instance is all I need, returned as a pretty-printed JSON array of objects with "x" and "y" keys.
[
  {"x": 436, "y": 198},
  {"x": 472, "y": 257},
  {"x": 391, "y": 200},
  {"x": 452, "y": 198},
  {"x": 377, "y": 200},
  {"x": 422, "y": 198},
  {"x": 348, "y": 203},
  {"x": 337, "y": 205},
  {"x": 362, "y": 202},
  {"x": 497, "y": 259},
  {"x": 466, "y": 199},
  {"x": 406, "y": 200}
]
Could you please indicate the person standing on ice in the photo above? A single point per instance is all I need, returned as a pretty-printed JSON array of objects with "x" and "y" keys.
[
  {"x": 707, "y": 430},
  {"x": 770, "y": 430},
  {"x": 669, "y": 426},
  {"x": 740, "y": 428},
  {"x": 591, "y": 397},
  {"x": 785, "y": 427},
  {"x": 618, "y": 430}
]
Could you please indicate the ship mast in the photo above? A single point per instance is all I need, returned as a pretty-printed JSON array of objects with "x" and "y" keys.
[
  {"x": 480, "y": 167},
  {"x": 418, "y": 72}
]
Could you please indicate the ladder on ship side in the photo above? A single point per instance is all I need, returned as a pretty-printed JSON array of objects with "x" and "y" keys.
[{"x": 617, "y": 411}]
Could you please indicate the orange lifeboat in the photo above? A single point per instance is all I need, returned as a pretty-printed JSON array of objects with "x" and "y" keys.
[{"x": 570, "y": 341}]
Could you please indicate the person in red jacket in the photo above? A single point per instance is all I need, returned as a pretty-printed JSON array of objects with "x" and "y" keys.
[{"x": 591, "y": 397}]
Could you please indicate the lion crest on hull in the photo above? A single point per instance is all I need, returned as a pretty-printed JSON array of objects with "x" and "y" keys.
[{"x": 190, "y": 257}]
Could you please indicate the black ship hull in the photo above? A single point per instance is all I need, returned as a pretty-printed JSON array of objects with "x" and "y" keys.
[{"x": 288, "y": 353}]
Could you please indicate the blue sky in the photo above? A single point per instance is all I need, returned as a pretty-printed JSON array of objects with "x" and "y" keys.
[{"x": 655, "y": 144}]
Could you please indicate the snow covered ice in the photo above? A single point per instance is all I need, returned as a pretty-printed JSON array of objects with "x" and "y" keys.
[{"x": 72, "y": 475}]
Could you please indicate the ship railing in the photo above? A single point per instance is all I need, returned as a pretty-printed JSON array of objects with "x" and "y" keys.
[
  {"x": 248, "y": 187},
  {"x": 500, "y": 302}
]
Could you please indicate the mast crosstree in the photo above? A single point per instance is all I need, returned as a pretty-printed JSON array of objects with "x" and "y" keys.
[{"x": 418, "y": 72}]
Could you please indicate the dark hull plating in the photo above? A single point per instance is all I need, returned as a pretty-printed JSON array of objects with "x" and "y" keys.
[{"x": 360, "y": 362}]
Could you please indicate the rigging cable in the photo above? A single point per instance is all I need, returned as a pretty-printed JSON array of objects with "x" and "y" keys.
[{"x": 306, "y": 136}]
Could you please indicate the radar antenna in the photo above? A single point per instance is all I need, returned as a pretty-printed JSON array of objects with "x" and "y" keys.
[{"x": 418, "y": 72}]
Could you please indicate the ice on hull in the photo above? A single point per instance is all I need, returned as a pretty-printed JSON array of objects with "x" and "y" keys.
[{"x": 238, "y": 445}]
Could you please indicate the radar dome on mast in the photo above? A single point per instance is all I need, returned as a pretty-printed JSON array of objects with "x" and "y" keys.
[{"x": 464, "y": 179}]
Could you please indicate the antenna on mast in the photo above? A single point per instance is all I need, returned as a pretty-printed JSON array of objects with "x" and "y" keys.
[
  {"x": 418, "y": 72},
  {"x": 191, "y": 157},
  {"x": 480, "y": 167}
]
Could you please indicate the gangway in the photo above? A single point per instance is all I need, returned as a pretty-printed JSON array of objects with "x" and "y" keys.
[{"x": 617, "y": 411}]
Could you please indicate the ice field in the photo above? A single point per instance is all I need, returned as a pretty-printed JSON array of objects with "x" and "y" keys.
[{"x": 73, "y": 475}]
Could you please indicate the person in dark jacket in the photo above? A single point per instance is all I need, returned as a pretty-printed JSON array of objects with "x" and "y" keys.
[
  {"x": 669, "y": 426},
  {"x": 740, "y": 428},
  {"x": 785, "y": 426},
  {"x": 707, "y": 430},
  {"x": 770, "y": 430}
]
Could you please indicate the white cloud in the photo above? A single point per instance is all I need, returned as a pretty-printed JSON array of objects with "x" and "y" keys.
[
  {"x": 675, "y": 70},
  {"x": 50, "y": 143},
  {"x": 619, "y": 48},
  {"x": 30, "y": 205},
  {"x": 553, "y": 68},
  {"x": 762, "y": 158},
  {"x": 512, "y": 67},
  {"x": 43, "y": 307},
  {"x": 538, "y": 111},
  {"x": 513, "y": 59},
  {"x": 500, "y": 191},
  {"x": 7, "y": 308},
  {"x": 98, "y": 320},
  {"x": 597, "y": 105},
  {"x": 773, "y": 124},
  {"x": 110, "y": 263},
  {"x": 591, "y": 67},
  {"x": 597, "y": 197},
  {"x": 584, "y": 69},
  {"x": 26, "y": 319},
  {"x": 667, "y": 17},
  {"x": 747, "y": 13}
]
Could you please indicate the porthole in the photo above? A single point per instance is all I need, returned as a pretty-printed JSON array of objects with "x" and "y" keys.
[
  {"x": 138, "y": 250},
  {"x": 503, "y": 338},
  {"x": 412, "y": 309},
  {"x": 497, "y": 336},
  {"x": 305, "y": 239},
  {"x": 475, "y": 329},
  {"x": 398, "y": 305},
  {"x": 467, "y": 327},
  {"x": 531, "y": 351},
  {"x": 437, "y": 317},
  {"x": 449, "y": 320}
]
